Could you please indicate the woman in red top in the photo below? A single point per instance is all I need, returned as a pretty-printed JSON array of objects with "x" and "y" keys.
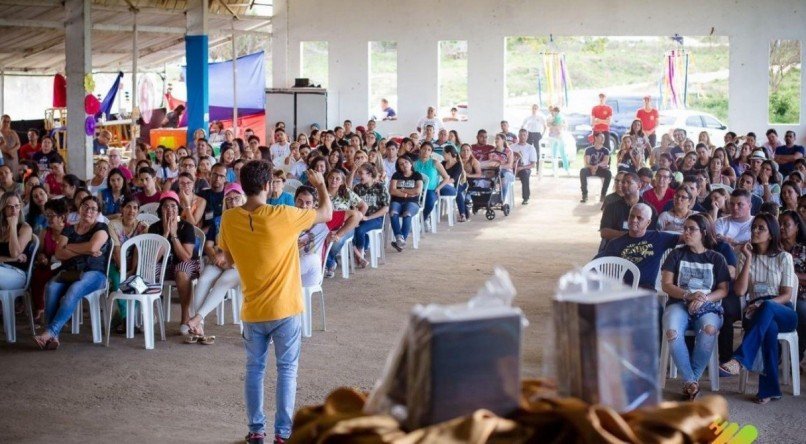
[
  {"x": 53, "y": 181},
  {"x": 56, "y": 214}
]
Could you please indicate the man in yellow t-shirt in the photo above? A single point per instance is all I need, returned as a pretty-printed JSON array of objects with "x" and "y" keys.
[{"x": 260, "y": 240}]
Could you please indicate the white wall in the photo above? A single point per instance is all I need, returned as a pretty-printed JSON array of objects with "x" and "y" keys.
[{"x": 418, "y": 26}]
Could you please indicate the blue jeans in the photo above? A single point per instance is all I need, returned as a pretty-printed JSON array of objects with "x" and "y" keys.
[
  {"x": 800, "y": 307},
  {"x": 404, "y": 211},
  {"x": 286, "y": 334},
  {"x": 360, "y": 238},
  {"x": 336, "y": 249},
  {"x": 761, "y": 331},
  {"x": 58, "y": 313},
  {"x": 676, "y": 320},
  {"x": 461, "y": 200},
  {"x": 430, "y": 201}
]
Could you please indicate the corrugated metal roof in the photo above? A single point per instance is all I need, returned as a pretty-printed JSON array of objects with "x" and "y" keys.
[{"x": 32, "y": 32}]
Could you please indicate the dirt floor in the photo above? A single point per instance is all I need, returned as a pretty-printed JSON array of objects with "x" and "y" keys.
[{"x": 183, "y": 393}]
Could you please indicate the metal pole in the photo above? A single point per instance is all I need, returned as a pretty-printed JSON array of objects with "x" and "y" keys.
[
  {"x": 2, "y": 91},
  {"x": 135, "y": 53},
  {"x": 234, "y": 82}
]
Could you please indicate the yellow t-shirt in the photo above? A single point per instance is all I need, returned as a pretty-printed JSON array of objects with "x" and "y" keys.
[{"x": 264, "y": 246}]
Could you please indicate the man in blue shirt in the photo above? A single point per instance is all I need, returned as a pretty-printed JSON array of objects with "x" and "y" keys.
[
  {"x": 642, "y": 247},
  {"x": 787, "y": 154}
]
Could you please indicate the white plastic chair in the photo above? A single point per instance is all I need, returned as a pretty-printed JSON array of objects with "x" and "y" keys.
[
  {"x": 447, "y": 206},
  {"x": 789, "y": 364},
  {"x": 235, "y": 297},
  {"x": 307, "y": 296},
  {"x": 666, "y": 363},
  {"x": 149, "y": 208},
  {"x": 291, "y": 186},
  {"x": 615, "y": 268},
  {"x": 789, "y": 357},
  {"x": 9, "y": 297},
  {"x": 376, "y": 247},
  {"x": 347, "y": 258},
  {"x": 419, "y": 215},
  {"x": 169, "y": 285},
  {"x": 97, "y": 300},
  {"x": 147, "y": 218},
  {"x": 149, "y": 247}
]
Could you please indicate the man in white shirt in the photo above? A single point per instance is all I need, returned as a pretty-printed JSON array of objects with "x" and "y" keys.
[
  {"x": 390, "y": 161},
  {"x": 301, "y": 165},
  {"x": 535, "y": 124},
  {"x": 429, "y": 119},
  {"x": 280, "y": 149},
  {"x": 735, "y": 229},
  {"x": 528, "y": 159}
]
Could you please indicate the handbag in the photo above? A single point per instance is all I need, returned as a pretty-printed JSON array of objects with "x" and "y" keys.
[{"x": 68, "y": 276}]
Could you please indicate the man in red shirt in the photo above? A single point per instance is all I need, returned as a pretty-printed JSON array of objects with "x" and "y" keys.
[
  {"x": 649, "y": 119},
  {"x": 600, "y": 119},
  {"x": 481, "y": 149},
  {"x": 28, "y": 150}
]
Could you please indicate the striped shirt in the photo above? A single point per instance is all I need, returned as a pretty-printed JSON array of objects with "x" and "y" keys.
[{"x": 769, "y": 273}]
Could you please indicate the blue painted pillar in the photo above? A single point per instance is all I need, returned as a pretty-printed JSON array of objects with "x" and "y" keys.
[{"x": 197, "y": 81}]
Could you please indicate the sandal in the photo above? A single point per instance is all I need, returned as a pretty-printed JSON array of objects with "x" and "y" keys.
[
  {"x": 731, "y": 367},
  {"x": 192, "y": 339},
  {"x": 41, "y": 343},
  {"x": 207, "y": 340},
  {"x": 762, "y": 401},
  {"x": 691, "y": 390}
]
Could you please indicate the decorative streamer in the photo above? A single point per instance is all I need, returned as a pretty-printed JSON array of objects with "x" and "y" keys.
[{"x": 556, "y": 78}]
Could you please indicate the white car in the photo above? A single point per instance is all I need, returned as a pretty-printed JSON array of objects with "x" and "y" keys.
[{"x": 693, "y": 122}]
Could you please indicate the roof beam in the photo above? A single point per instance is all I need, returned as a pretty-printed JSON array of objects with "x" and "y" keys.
[
  {"x": 31, "y": 24},
  {"x": 95, "y": 27},
  {"x": 37, "y": 3}
]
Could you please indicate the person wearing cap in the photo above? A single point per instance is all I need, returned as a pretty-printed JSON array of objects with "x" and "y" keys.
[
  {"x": 261, "y": 241},
  {"x": 218, "y": 276},
  {"x": 601, "y": 115},
  {"x": 183, "y": 264},
  {"x": 756, "y": 159}
]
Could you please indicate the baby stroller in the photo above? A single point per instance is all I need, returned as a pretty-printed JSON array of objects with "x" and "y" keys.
[{"x": 487, "y": 192}]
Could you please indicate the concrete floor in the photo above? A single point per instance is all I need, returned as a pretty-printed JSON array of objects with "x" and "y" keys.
[{"x": 178, "y": 392}]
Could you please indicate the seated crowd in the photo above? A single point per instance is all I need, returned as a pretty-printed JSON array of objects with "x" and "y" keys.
[
  {"x": 721, "y": 232},
  {"x": 81, "y": 225}
]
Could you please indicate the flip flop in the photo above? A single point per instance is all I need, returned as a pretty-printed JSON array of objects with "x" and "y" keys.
[
  {"x": 207, "y": 340},
  {"x": 762, "y": 401},
  {"x": 192, "y": 339}
]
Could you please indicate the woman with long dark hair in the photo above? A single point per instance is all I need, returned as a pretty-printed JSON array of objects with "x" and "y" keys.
[
  {"x": 793, "y": 240},
  {"x": 696, "y": 279},
  {"x": 83, "y": 250},
  {"x": 767, "y": 275},
  {"x": 113, "y": 196}
]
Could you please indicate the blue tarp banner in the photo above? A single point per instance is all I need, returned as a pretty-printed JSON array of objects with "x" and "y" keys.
[{"x": 251, "y": 78}]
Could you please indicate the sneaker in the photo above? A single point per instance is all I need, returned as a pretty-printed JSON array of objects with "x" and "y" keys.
[
  {"x": 279, "y": 439},
  {"x": 584, "y": 199},
  {"x": 401, "y": 241},
  {"x": 525, "y": 202},
  {"x": 255, "y": 438},
  {"x": 330, "y": 272}
]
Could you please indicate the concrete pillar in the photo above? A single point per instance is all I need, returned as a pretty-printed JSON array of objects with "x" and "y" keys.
[
  {"x": 348, "y": 78},
  {"x": 196, "y": 55},
  {"x": 78, "y": 53},
  {"x": 485, "y": 85},
  {"x": 281, "y": 75},
  {"x": 748, "y": 84},
  {"x": 417, "y": 81}
]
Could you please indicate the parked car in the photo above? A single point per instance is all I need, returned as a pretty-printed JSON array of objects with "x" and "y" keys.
[{"x": 693, "y": 122}]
